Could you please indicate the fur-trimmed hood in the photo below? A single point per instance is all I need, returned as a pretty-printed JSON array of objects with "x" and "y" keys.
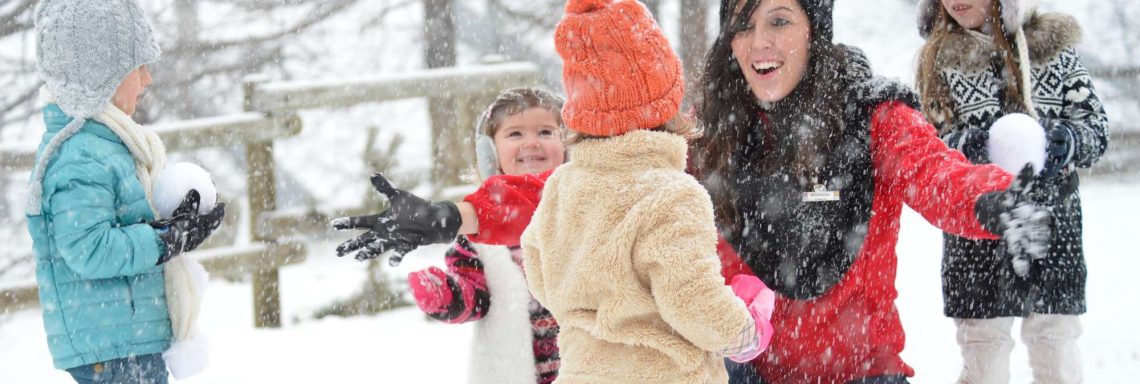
[
  {"x": 1046, "y": 36},
  {"x": 1013, "y": 13}
]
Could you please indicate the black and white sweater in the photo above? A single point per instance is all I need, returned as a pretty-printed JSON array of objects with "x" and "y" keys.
[{"x": 978, "y": 282}]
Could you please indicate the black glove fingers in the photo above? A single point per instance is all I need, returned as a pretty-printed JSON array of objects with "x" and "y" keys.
[
  {"x": 954, "y": 139},
  {"x": 215, "y": 216},
  {"x": 1025, "y": 180},
  {"x": 971, "y": 142},
  {"x": 399, "y": 249},
  {"x": 200, "y": 227},
  {"x": 189, "y": 204},
  {"x": 975, "y": 145},
  {"x": 1058, "y": 135},
  {"x": 356, "y": 222},
  {"x": 383, "y": 186},
  {"x": 356, "y": 243},
  {"x": 375, "y": 249}
]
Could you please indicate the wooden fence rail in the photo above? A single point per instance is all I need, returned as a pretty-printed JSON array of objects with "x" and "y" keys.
[
  {"x": 310, "y": 94},
  {"x": 189, "y": 135}
]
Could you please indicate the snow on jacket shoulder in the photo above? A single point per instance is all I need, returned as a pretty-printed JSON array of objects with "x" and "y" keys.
[{"x": 622, "y": 251}]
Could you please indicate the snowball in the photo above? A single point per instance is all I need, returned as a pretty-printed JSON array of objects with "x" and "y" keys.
[
  {"x": 178, "y": 179},
  {"x": 1016, "y": 139}
]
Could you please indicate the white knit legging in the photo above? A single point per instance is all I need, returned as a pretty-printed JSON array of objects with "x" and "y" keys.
[{"x": 1051, "y": 340}]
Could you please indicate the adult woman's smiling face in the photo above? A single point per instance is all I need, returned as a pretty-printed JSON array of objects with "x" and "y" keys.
[{"x": 771, "y": 46}]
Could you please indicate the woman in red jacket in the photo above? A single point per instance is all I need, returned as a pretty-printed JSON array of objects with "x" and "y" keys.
[{"x": 809, "y": 159}]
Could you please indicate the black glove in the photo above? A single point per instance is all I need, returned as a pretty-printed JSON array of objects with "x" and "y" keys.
[
  {"x": 1024, "y": 225},
  {"x": 971, "y": 142},
  {"x": 1059, "y": 146},
  {"x": 185, "y": 230},
  {"x": 408, "y": 223}
]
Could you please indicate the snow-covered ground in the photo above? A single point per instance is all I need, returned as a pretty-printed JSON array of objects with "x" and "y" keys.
[{"x": 403, "y": 346}]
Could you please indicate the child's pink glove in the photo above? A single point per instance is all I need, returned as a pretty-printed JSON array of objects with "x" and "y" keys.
[
  {"x": 429, "y": 288},
  {"x": 760, "y": 301}
]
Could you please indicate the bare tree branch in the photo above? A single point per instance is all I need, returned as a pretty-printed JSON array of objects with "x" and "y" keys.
[
  {"x": 11, "y": 105},
  {"x": 324, "y": 10},
  {"x": 378, "y": 19},
  {"x": 1124, "y": 21},
  {"x": 8, "y": 20},
  {"x": 547, "y": 20}
]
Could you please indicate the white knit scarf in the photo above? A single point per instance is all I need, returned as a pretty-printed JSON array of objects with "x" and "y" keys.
[{"x": 146, "y": 148}]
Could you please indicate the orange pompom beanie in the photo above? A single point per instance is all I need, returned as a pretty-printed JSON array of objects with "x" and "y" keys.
[{"x": 619, "y": 71}]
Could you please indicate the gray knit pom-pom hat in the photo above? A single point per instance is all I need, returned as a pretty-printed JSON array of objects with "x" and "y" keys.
[{"x": 85, "y": 48}]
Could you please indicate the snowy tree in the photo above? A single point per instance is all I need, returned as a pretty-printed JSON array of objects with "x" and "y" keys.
[{"x": 16, "y": 65}]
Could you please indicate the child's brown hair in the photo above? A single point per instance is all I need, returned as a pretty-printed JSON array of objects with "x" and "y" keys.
[
  {"x": 934, "y": 92},
  {"x": 514, "y": 101}
]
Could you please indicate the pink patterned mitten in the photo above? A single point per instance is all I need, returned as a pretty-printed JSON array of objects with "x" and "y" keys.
[{"x": 429, "y": 288}]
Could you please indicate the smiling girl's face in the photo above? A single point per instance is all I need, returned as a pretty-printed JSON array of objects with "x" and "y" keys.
[
  {"x": 529, "y": 142},
  {"x": 970, "y": 14}
]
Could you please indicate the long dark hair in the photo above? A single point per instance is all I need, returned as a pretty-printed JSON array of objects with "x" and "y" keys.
[{"x": 731, "y": 115}]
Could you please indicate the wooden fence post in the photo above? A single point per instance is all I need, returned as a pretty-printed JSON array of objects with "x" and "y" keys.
[{"x": 262, "y": 194}]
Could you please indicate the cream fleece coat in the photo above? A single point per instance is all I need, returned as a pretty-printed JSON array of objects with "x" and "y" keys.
[{"x": 622, "y": 251}]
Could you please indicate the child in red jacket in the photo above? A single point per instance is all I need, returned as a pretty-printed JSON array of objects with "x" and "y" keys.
[{"x": 519, "y": 143}]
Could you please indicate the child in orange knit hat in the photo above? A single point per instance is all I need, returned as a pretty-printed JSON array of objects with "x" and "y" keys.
[{"x": 622, "y": 246}]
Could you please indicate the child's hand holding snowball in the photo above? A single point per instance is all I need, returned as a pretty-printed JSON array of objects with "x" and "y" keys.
[
  {"x": 184, "y": 228},
  {"x": 1059, "y": 147}
]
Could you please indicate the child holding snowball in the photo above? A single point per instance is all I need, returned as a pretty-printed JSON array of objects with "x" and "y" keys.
[
  {"x": 990, "y": 68},
  {"x": 100, "y": 251}
]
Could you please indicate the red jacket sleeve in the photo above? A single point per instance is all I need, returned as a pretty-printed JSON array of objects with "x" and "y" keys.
[
  {"x": 504, "y": 205},
  {"x": 730, "y": 262},
  {"x": 937, "y": 182}
]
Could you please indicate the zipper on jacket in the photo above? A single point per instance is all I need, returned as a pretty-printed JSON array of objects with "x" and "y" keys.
[{"x": 130, "y": 294}]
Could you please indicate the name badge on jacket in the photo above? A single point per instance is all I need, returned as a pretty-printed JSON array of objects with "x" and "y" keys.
[{"x": 819, "y": 193}]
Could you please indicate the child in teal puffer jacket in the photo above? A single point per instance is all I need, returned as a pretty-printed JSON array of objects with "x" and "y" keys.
[{"x": 99, "y": 249}]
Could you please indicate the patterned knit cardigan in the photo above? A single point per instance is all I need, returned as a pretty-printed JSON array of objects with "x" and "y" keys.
[{"x": 976, "y": 284}]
